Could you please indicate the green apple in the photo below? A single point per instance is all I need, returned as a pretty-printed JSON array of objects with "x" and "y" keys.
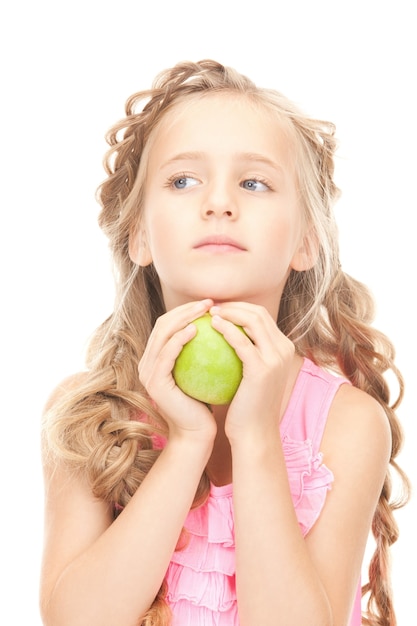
[{"x": 208, "y": 368}]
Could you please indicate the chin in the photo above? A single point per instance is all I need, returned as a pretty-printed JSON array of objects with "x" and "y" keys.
[
  {"x": 222, "y": 295},
  {"x": 216, "y": 288}
]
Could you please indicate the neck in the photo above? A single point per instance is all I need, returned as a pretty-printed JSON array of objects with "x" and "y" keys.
[{"x": 219, "y": 467}]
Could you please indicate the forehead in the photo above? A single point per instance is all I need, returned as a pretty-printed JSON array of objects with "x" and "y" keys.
[{"x": 222, "y": 123}]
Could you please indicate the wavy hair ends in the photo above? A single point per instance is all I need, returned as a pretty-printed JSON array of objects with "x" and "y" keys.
[{"x": 325, "y": 312}]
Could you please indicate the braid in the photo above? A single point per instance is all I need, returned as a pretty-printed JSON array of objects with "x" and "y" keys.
[
  {"x": 380, "y": 610},
  {"x": 343, "y": 339},
  {"x": 365, "y": 355}
]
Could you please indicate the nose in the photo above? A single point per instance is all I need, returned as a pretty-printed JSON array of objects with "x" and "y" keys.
[{"x": 220, "y": 202}]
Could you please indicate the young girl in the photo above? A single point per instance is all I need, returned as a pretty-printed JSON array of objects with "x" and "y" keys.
[{"x": 161, "y": 509}]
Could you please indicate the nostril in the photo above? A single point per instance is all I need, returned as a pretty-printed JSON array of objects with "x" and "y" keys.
[{"x": 220, "y": 212}]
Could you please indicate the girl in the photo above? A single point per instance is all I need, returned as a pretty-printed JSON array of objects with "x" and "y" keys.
[{"x": 160, "y": 509}]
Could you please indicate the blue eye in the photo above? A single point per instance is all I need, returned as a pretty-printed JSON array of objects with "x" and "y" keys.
[
  {"x": 183, "y": 182},
  {"x": 254, "y": 185}
]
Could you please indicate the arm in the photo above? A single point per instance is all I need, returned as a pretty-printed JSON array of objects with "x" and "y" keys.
[
  {"x": 313, "y": 580},
  {"x": 357, "y": 446},
  {"x": 280, "y": 575},
  {"x": 99, "y": 572}
]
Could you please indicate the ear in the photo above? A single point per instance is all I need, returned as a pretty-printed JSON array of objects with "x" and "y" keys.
[
  {"x": 139, "y": 251},
  {"x": 307, "y": 253}
]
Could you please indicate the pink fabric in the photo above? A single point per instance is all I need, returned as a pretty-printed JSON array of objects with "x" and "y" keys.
[{"x": 201, "y": 576}]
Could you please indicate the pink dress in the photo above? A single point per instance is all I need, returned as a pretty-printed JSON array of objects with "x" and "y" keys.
[{"x": 201, "y": 576}]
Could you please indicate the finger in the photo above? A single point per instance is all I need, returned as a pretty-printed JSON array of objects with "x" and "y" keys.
[
  {"x": 256, "y": 321},
  {"x": 171, "y": 322},
  {"x": 155, "y": 367},
  {"x": 171, "y": 332}
]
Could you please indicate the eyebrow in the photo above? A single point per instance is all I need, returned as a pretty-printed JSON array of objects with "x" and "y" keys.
[
  {"x": 252, "y": 157},
  {"x": 260, "y": 158},
  {"x": 184, "y": 156}
]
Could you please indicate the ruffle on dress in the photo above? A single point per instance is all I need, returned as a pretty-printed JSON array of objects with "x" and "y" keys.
[
  {"x": 309, "y": 480},
  {"x": 201, "y": 575}
]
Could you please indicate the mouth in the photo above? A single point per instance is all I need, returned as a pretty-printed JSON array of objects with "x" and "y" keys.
[{"x": 219, "y": 244}]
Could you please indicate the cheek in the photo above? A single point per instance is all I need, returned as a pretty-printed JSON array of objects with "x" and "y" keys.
[
  {"x": 281, "y": 243},
  {"x": 158, "y": 226},
  {"x": 161, "y": 240},
  {"x": 286, "y": 230}
]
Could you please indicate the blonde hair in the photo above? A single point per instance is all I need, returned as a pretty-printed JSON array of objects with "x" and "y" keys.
[{"x": 326, "y": 313}]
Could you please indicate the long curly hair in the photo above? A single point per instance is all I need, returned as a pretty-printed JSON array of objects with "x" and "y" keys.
[{"x": 326, "y": 313}]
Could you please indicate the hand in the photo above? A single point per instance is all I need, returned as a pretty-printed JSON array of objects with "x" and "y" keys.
[
  {"x": 267, "y": 356},
  {"x": 184, "y": 415}
]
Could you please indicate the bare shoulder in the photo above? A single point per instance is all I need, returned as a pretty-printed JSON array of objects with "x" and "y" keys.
[
  {"x": 357, "y": 416},
  {"x": 357, "y": 437}
]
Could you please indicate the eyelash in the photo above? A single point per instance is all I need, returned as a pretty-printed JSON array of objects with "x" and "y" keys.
[
  {"x": 172, "y": 179},
  {"x": 257, "y": 179}
]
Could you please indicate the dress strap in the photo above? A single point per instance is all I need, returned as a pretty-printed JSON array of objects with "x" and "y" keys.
[{"x": 307, "y": 411}]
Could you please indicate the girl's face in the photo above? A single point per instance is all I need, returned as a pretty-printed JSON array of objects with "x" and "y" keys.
[{"x": 222, "y": 216}]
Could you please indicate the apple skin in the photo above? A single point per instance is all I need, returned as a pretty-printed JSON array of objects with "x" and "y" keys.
[{"x": 208, "y": 368}]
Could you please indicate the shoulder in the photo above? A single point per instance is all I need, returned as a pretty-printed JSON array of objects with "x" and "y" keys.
[
  {"x": 357, "y": 412},
  {"x": 357, "y": 432}
]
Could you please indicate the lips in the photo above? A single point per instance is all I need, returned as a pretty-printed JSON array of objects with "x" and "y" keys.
[{"x": 219, "y": 243}]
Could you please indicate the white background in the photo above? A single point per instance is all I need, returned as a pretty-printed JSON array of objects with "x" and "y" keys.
[{"x": 66, "y": 71}]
